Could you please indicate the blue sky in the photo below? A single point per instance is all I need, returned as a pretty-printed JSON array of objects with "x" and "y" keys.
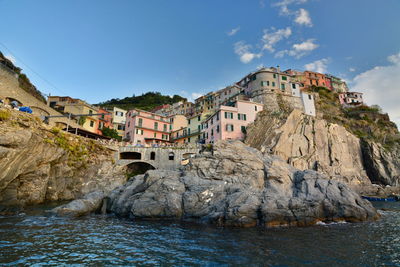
[{"x": 98, "y": 50}]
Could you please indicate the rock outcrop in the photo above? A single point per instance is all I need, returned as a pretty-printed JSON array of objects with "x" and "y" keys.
[
  {"x": 312, "y": 143},
  {"x": 239, "y": 186},
  {"x": 79, "y": 207},
  {"x": 39, "y": 164}
]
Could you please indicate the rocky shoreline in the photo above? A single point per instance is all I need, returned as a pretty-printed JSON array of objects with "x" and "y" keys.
[{"x": 235, "y": 186}]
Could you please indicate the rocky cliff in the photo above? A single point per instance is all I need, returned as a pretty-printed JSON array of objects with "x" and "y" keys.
[
  {"x": 356, "y": 150},
  {"x": 237, "y": 186},
  {"x": 39, "y": 164}
]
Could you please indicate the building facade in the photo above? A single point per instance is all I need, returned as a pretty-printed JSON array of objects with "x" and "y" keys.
[
  {"x": 350, "y": 99},
  {"x": 144, "y": 127},
  {"x": 230, "y": 122}
]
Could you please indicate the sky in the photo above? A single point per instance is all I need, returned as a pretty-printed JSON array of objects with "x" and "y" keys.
[{"x": 97, "y": 49}]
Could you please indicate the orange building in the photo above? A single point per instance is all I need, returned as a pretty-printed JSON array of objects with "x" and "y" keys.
[
  {"x": 105, "y": 120},
  {"x": 314, "y": 79}
]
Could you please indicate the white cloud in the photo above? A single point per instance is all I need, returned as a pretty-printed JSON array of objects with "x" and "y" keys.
[
  {"x": 299, "y": 50},
  {"x": 196, "y": 95},
  {"x": 352, "y": 69},
  {"x": 272, "y": 37},
  {"x": 243, "y": 51},
  {"x": 233, "y": 31},
  {"x": 303, "y": 18},
  {"x": 283, "y": 5},
  {"x": 320, "y": 66},
  {"x": 11, "y": 58},
  {"x": 381, "y": 85}
]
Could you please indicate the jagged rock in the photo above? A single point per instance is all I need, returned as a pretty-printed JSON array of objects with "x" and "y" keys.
[
  {"x": 312, "y": 143},
  {"x": 33, "y": 169},
  {"x": 79, "y": 207},
  {"x": 239, "y": 186}
]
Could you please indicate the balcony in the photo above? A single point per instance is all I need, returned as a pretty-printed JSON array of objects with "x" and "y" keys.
[{"x": 185, "y": 135}]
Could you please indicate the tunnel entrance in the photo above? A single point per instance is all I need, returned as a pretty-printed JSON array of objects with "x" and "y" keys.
[
  {"x": 138, "y": 168},
  {"x": 130, "y": 155}
]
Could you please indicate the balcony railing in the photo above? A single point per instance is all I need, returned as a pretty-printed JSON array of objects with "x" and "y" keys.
[{"x": 197, "y": 132}]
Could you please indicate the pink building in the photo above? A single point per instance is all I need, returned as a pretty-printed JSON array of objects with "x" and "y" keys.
[
  {"x": 230, "y": 122},
  {"x": 143, "y": 127}
]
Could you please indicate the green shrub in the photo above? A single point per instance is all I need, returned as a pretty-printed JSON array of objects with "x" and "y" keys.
[{"x": 4, "y": 115}]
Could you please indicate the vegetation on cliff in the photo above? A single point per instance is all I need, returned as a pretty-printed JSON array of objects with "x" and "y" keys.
[
  {"x": 79, "y": 150},
  {"x": 23, "y": 80},
  {"x": 146, "y": 101},
  {"x": 367, "y": 123}
]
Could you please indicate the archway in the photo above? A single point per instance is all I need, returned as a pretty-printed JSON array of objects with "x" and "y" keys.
[
  {"x": 39, "y": 111},
  {"x": 130, "y": 155},
  {"x": 9, "y": 100},
  {"x": 171, "y": 156},
  {"x": 137, "y": 168}
]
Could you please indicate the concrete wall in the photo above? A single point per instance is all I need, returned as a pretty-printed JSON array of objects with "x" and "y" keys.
[{"x": 9, "y": 88}]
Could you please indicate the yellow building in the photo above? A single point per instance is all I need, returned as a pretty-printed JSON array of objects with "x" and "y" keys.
[{"x": 73, "y": 106}]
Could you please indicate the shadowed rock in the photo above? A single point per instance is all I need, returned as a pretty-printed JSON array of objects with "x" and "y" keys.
[{"x": 239, "y": 186}]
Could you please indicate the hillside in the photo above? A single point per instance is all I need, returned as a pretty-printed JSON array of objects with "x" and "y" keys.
[
  {"x": 23, "y": 80},
  {"x": 146, "y": 101}
]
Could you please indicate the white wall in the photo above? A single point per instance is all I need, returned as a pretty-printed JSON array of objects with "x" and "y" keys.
[{"x": 308, "y": 103}]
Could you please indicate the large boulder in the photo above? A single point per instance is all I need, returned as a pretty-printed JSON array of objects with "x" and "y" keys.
[
  {"x": 239, "y": 186},
  {"x": 79, "y": 207}
]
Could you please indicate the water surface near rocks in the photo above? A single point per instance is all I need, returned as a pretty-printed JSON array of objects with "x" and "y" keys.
[{"x": 37, "y": 238}]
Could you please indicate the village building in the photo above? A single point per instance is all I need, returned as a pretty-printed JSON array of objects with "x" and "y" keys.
[
  {"x": 337, "y": 84},
  {"x": 351, "y": 99},
  {"x": 80, "y": 111},
  {"x": 268, "y": 81},
  {"x": 144, "y": 127},
  {"x": 230, "y": 122},
  {"x": 105, "y": 120},
  {"x": 118, "y": 119}
]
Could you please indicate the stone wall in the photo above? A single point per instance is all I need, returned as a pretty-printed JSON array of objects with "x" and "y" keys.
[
  {"x": 162, "y": 156},
  {"x": 10, "y": 90}
]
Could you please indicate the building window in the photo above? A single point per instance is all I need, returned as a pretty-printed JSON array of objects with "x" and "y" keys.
[
  {"x": 212, "y": 132},
  {"x": 274, "y": 75},
  {"x": 255, "y": 108},
  {"x": 171, "y": 156},
  {"x": 293, "y": 85},
  {"x": 212, "y": 121},
  {"x": 229, "y": 127},
  {"x": 188, "y": 130},
  {"x": 217, "y": 116},
  {"x": 129, "y": 124},
  {"x": 165, "y": 127},
  {"x": 90, "y": 112},
  {"x": 152, "y": 155},
  {"x": 217, "y": 128},
  {"x": 156, "y": 125},
  {"x": 91, "y": 123},
  {"x": 199, "y": 128},
  {"x": 155, "y": 135},
  {"x": 243, "y": 128},
  {"x": 282, "y": 86},
  {"x": 140, "y": 122},
  {"x": 189, "y": 121},
  {"x": 198, "y": 118},
  {"x": 254, "y": 77},
  {"x": 188, "y": 140},
  {"x": 310, "y": 97},
  {"x": 284, "y": 78},
  {"x": 273, "y": 84},
  {"x": 228, "y": 115}
]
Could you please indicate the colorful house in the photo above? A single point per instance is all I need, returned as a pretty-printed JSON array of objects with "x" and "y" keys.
[
  {"x": 144, "y": 127},
  {"x": 230, "y": 122},
  {"x": 314, "y": 79},
  {"x": 351, "y": 99},
  {"x": 79, "y": 110},
  {"x": 118, "y": 120},
  {"x": 105, "y": 120}
]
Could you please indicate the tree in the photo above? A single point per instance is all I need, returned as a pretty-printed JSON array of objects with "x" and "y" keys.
[{"x": 111, "y": 133}]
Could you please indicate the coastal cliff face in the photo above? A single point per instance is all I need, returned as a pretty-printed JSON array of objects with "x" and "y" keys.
[
  {"x": 328, "y": 144},
  {"x": 311, "y": 143},
  {"x": 39, "y": 164},
  {"x": 239, "y": 186}
]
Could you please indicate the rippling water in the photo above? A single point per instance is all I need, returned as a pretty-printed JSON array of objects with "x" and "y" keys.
[{"x": 36, "y": 238}]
